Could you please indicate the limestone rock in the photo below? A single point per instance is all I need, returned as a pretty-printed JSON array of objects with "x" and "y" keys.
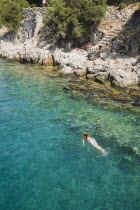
[
  {"x": 101, "y": 77},
  {"x": 117, "y": 46},
  {"x": 121, "y": 78}
]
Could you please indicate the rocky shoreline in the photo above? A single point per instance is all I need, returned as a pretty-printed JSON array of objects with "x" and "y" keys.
[{"x": 105, "y": 59}]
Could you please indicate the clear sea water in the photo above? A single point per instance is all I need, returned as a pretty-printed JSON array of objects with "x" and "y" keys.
[{"x": 43, "y": 165}]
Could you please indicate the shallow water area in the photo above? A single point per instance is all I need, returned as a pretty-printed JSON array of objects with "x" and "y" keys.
[{"x": 43, "y": 163}]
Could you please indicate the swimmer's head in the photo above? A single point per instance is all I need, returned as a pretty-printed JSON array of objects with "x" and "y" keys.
[{"x": 85, "y": 133}]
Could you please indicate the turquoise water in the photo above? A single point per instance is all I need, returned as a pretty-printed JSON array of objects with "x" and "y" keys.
[{"x": 43, "y": 165}]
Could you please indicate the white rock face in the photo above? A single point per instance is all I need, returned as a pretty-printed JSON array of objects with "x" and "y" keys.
[
  {"x": 27, "y": 46},
  {"x": 72, "y": 62}
]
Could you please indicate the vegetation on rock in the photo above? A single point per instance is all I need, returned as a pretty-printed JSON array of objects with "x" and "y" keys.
[
  {"x": 68, "y": 19},
  {"x": 122, "y": 5},
  {"x": 73, "y": 19},
  {"x": 11, "y": 12}
]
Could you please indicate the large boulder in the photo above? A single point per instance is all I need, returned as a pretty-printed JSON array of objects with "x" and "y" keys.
[
  {"x": 122, "y": 78},
  {"x": 70, "y": 62}
]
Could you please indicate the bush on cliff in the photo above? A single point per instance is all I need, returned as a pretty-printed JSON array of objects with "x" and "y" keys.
[
  {"x": 73, "y": 19},
  {"x": 11, "y": 12},
  {"x": 122, "y": 6}
]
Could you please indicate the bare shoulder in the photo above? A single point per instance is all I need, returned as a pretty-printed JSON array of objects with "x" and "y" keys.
[{"x": 90, "y": 137}]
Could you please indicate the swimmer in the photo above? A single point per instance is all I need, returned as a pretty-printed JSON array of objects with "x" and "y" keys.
[{"x": 93, "y": 142}]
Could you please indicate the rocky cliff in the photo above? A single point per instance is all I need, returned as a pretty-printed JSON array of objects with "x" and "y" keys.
[{"x": 112, "y": 54}]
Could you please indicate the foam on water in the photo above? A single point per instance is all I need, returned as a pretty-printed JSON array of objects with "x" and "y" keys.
[{"x": 43, "y": 163}]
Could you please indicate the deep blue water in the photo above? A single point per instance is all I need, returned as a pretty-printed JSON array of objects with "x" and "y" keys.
[{"x": 43, "y": 165}]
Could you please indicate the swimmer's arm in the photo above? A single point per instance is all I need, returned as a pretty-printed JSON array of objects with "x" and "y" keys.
[{"x": 83, "y": 141}]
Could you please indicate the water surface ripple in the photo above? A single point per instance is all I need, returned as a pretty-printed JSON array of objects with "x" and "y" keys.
[{"x": 43, "y": 165}]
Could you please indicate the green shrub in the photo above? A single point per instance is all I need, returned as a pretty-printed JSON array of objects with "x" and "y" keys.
[
  {"x": 73, "y": 19},
  {"x": 33, "y": 5},
  {"x": 11, "y": 12},
  {"x": 122, "y": 5}
]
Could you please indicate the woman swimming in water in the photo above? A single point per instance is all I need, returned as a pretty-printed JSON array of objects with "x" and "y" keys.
[{"x": 92, "y": 141}]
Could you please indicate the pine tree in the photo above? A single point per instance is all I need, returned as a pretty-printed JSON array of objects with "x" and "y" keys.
[
  {"x": 72, "y": 19},
  {"x": 11, "y": 12}
]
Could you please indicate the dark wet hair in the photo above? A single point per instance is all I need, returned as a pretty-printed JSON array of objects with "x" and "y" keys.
[{"x": 85, "y": 133}]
